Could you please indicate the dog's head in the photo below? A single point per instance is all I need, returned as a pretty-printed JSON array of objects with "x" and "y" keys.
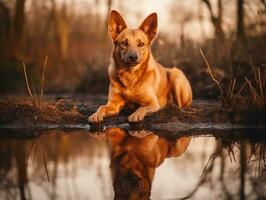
[
  {"x": 131, "y": 46},
  {"x": 131, "y": 179}
]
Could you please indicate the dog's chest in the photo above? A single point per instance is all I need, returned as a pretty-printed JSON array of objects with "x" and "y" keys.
[
  {"x": 129, "y": 86},
  {"x": 126, "y": 92},
  {"x": 129, "y": 94}
]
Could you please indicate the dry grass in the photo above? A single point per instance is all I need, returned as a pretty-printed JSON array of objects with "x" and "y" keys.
[
  {"x": 233, "y": 97},
  {"x": 27, "y": 82},
  {"x": 36, "y": 100},
  {"x": 22, "y": 110},
  {"x": 38, "y": 108},
  {"x": 43, "y": 78}
]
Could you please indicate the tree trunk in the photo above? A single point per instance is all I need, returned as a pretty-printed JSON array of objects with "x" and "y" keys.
[
  {"x": 220, "y": 10},
  {"x": 216, "y": 20},
  {"x": 61, "y": 27},
  {"x": 5, "y": 22},
  {"x": 241, "y": 34},
  {"x": 18, "y": 24}
]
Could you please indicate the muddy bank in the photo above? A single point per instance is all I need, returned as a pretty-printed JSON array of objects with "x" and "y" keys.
[{"x": 62, "y": 110}]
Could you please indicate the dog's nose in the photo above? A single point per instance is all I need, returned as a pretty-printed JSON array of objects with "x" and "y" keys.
[{"x": 133, "y": 57}]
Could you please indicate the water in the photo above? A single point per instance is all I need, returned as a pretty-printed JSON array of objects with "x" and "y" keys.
[{"x": 75, "y": 162}]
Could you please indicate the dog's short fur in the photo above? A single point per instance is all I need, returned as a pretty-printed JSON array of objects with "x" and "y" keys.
[{"x": 135, "y": 77}]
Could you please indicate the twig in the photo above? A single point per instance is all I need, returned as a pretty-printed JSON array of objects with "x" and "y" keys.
[
  {"x": 27, "y": 82},
  {"x": 260, "y": 83},
  {"x": 43, "y": 77},
  {"x": 241, "y": 89},
  {"x": 210, "y": 71},
  {"x": 34, "y": 93},
  {"x": 230, "y": 87},
  {"x": 251, "y": 87},
  {"x": 233, "y": 87}
]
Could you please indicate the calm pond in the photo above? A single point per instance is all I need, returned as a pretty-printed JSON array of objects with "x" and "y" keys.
[{"x": 131, "y": 164}]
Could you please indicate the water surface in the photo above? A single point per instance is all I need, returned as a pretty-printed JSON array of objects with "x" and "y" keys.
[{"x": 131, "y": 164}]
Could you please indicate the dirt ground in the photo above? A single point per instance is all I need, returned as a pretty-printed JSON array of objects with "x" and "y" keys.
[{"x": 76, "y": 109}]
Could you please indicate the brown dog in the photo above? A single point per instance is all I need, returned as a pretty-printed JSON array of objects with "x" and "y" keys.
[{"x": 135, "y": 77}]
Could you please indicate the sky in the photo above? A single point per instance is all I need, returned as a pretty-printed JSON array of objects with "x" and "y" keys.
[
  {"x": 135, "y": 11},
  {"x": 170, "y": 14}
]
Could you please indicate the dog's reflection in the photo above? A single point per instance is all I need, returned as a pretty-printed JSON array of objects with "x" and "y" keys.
[{"x": 134, "y": 158}]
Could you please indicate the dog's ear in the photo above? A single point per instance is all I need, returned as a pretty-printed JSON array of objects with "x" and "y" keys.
[
  {"x": 116, "y": 24},
  {"x": 149, "y": 26}
]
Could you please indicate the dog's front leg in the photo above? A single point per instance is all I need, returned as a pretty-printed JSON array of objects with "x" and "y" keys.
[
  {"x": 112, "y": 108},
  {"x": 142, "y": 111}
]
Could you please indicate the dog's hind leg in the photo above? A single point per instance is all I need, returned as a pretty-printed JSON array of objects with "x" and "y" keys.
[{"x": 181, "y": 88}]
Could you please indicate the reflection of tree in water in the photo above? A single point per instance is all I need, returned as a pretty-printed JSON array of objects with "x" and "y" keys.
[
  {"x": 46, "y": 158},
  {"x": 250, "y": 158},
  {"x": 13, "y": 171}
]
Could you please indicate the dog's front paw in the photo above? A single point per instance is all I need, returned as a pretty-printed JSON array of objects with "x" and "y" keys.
[
  {"x": 96, "y": 117},
  {"x": 99, "y": 135},
  {"x": 137, "y": 116}
]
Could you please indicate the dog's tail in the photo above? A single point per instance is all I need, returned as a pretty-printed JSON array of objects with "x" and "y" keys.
[{"x": 181, "y": 88}]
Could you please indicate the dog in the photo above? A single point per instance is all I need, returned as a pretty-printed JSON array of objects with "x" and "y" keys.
[
  {"x": 135, "y": 76},
  {"x": 135, "y": 155}
]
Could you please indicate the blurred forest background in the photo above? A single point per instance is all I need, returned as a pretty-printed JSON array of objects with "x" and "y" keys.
[{"x": 73, "y": 34}]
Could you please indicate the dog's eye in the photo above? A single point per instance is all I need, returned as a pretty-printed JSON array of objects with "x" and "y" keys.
[
  {"x": 141, "y": 44},
  {"x": 124, "y": 44}
]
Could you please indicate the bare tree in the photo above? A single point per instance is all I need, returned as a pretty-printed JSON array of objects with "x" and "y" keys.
[{"x": 216, "y": 20}]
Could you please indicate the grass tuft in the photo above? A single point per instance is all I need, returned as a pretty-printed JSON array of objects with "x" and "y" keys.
[{"x": 36, "y": 100}]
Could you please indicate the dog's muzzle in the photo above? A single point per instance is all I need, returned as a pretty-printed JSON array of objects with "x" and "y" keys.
[{"x": 131, "y": 60}]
